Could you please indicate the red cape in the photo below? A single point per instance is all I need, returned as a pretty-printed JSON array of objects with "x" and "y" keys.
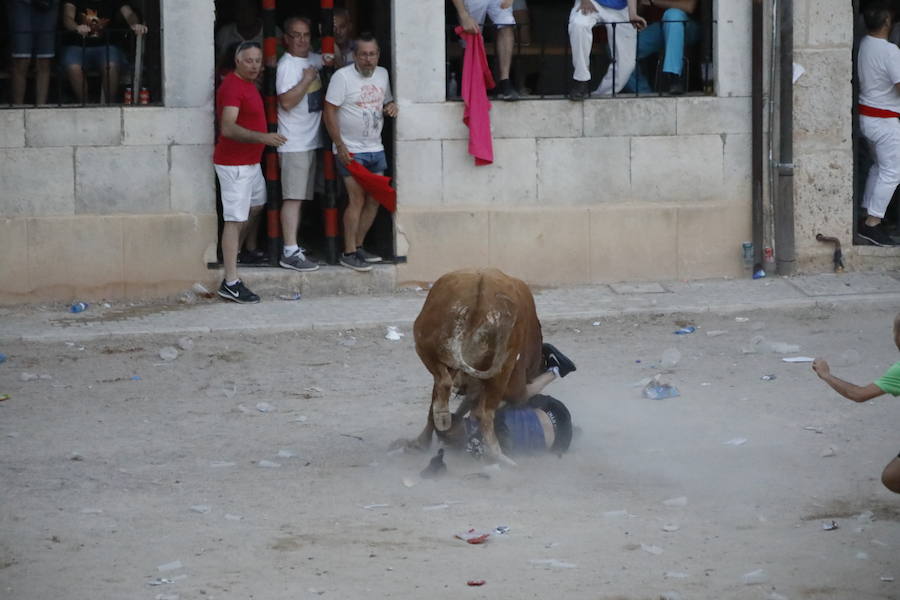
[{"x": 378, "y": 186}]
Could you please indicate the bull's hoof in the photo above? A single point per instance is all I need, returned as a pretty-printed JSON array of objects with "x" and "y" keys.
[{"x": 442, "y": 419}]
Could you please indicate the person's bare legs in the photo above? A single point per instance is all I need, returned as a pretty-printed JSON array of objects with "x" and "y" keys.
[
  {"x": 76, "y": 80},
  {"x": 231, "y": 234},
  {"x": 366, "y": 218},
  {"x": 505, "y": 43},
  {"x": 111, "y": 82},
  {"x": 19, "y": 79},
  {"x": 356, "y": 200},
  {"x": 250, "y": 226},
  {"x": 890, "y": 477},
  {"x": 523, "y": 24},
  {"x": 42, "y": 82},
  {"x": 290, "y": 221},
  {"x": 537, "y": 385}
]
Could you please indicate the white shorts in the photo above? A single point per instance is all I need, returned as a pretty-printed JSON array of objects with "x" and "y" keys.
[
  {"x": 242, "y": 186},
  {"x": 298, "y": 174},
  {"x": 477, "y": 9}
]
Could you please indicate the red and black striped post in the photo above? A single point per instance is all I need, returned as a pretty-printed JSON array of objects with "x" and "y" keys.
[
  {"x": 270, "y": 157},
  {"x": 329, "y": 211}
]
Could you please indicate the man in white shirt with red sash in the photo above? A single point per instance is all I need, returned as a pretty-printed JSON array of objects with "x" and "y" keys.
[{"x": 878, "y": 66}]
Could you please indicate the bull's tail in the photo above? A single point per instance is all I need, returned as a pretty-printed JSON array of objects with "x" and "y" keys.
[{"x": 500, "y": 325}]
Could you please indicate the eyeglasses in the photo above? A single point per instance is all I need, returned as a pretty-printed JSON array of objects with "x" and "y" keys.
[
  {"x": 367, "y": 54},
  {"x": 298, "y": 34}
]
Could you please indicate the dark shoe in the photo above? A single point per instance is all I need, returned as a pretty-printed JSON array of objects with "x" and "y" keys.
[
  {"x": 252, "y": 257},
  {"x": 507, "y": 91},
  {"x": 237, "y": 293},
  {"x": 579, "y": 91},
  {"x": 555, "y": 358},
  {"x": 353, "y": 261},
  {"x": 673, "y": 84},
  {"x": 875, "y": 235},
  {"x": 367, "y": 256},
  {"x": 297, "y": 262}
]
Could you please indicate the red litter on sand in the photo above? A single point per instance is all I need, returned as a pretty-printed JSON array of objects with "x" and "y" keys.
[
  {"x": 473, "y": 537},
  {"x": 475, "y": 582}
]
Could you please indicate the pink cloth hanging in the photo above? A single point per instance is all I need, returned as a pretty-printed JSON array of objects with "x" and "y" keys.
[{"x": 476, "y": 80}]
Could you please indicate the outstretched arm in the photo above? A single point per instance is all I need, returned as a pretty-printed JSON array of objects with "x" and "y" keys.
[{"x": 845, "y": 388}]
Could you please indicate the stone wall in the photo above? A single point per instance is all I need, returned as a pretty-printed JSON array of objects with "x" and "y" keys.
[
  {"x": 604, "y": 190},
  {"x": 114, "y": 201}
]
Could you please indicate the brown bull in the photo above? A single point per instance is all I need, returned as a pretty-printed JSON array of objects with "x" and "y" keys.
[{"x": 479, "y": 332}]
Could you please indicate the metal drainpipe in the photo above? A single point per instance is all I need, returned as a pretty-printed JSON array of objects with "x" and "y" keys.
[
  {"x": 757, "y": 130},
  {"x": 784, "y": 199}
]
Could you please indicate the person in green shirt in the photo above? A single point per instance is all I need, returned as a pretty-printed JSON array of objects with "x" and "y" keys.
[{"x": 889, "y": 383}]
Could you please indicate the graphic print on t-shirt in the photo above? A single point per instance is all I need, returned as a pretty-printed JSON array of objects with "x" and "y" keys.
[
  {"x": 315, "y": 96},
  {"x": 371, "y": 102}
]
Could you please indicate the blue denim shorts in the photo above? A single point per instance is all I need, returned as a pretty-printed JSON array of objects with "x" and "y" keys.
[
  {"x": 32, "y": 30},
  {"x": 92, "y": 57},
  {"x": 373, "y": 161}
]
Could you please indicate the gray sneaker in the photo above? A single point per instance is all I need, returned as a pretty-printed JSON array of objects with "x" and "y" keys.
[
  {"x": 367, "y": 256},
  {"x": 297, "y": 262},
  {"x": 353, "y": 261}
]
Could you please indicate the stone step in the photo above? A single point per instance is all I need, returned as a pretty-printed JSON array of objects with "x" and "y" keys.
[{"x": 327, "y": 281}]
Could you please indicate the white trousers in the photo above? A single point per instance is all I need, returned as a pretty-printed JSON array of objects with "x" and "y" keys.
[
  {"x": 622, "y": 44},
  {"x": 883, "y": 136}
]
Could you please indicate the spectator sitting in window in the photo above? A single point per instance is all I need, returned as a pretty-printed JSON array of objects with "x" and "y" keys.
[
  {"x": 343, "y": 38},
  {"x": 247, "y": 27},
  {"x": 622, "y": 24},
  {"x": 32, "y": 26},
  {"x": 471, "y": 18},
  {"x": 670, "y": 31},
  {"x": 90, "y": 44}
]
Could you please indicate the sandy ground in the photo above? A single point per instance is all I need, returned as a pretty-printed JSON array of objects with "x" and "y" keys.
[{"x": 105, "y": 479}]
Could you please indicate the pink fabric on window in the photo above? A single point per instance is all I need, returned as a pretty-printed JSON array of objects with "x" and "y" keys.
[{"x": 476, "y": 80}]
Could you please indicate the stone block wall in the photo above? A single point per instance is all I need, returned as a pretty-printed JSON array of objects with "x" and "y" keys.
[
  {"x": 114, "y": 201},
  {"x": 604, "y": 190}
]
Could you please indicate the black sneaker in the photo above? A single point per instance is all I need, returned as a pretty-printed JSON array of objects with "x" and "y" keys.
[
  {"x": 297, "y": 262},
  {"x": 673, "y": 84},
  {"x": 367, "y": 256},
  {"x": 579, "y": 91},
  {"x": 353, "y": 261},
  {"x": 875, "y": 235},
  {"x": 237, "y": 293},
  {"x": 507, "y": 91},
  {"x": 555, "y": 358}
]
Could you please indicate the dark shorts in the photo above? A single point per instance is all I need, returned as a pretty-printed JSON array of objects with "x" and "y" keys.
[
  {"x": 92, "y": 57},
  {"x": 32, "y": 31},
  {"x": 373, "y": 161}
]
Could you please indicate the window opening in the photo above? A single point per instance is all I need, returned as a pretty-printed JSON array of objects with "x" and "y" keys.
[
  {"x": 542, "y": 59},
  {"x": 863, "y": 157},
  {"x": 62, "y": 53},
  {"x": 238, "y": 20}
]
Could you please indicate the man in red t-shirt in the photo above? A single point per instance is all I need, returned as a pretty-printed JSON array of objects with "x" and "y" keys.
[{"x": 242, "y": 137}]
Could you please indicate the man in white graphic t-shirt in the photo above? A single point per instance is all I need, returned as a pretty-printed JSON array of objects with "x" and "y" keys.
[
  {"x": 878, "y": 67},
  {"x": 359, "y": 95},
  {"x": 299, "y": 92}
]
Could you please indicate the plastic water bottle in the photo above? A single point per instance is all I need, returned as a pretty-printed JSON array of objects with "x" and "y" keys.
[
  {"x": 452, "y": 86},
  {"x": 78, "y": 307},
  {"x": 747, "y": 255}
]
